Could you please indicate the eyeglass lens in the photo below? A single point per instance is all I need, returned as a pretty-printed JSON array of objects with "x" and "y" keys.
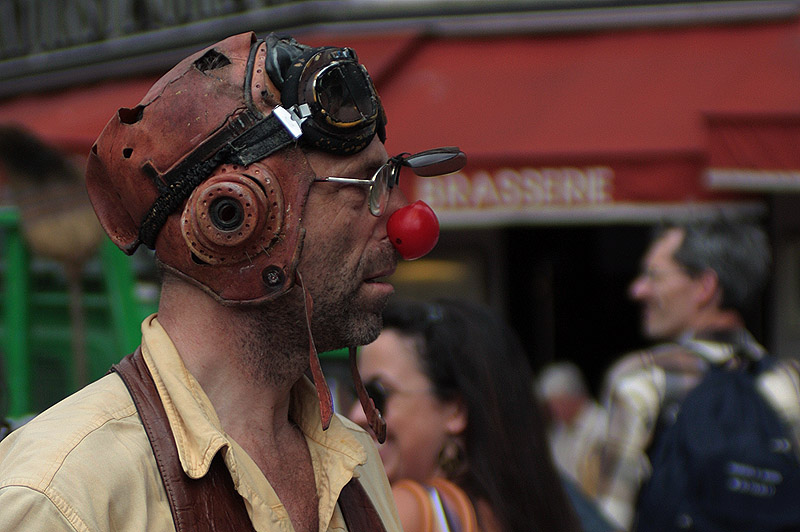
[{"x": 385, "y": 178}]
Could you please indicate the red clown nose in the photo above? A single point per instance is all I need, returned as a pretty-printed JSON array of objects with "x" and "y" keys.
[{"x": 413, "y": 230}]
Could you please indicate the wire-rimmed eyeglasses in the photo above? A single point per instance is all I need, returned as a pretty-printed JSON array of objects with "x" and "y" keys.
[{"x": 428, "y": 163}]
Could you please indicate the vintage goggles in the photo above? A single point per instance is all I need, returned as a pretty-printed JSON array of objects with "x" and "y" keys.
[
  {"x": 328, "y": 94},
  {"x": 428, "y": 163}
]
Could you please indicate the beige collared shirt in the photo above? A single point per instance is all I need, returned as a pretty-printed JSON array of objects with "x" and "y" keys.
[{"x": 86, "y": 463}]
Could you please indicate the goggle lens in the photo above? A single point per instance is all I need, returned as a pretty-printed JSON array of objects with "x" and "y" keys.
[{"x": 345, "y": 94}]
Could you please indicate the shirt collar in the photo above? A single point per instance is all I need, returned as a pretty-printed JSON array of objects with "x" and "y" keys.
[
  {"x": 719, "y": 346},
  {"x": 196, "y": 427}
]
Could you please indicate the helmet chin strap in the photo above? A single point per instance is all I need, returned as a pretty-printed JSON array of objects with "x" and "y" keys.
[
  {"x": 323, "y": 392},
  {"x": 374, "y": 417}
]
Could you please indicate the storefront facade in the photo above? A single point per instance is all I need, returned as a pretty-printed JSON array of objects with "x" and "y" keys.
[{"x": 583, "y": 127}]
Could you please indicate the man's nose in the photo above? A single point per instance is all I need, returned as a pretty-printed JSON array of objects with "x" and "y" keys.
[{"x": 638, "y": 288}]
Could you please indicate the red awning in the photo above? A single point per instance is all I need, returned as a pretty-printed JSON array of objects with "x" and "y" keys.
[
  {"x": 562, "y": 127},
  {"x": 73, "y": 118},
  {"x": 754, "y": 153},
  {"x": 627, "y": 115}
]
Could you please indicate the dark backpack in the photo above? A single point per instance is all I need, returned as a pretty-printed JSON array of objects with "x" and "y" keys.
[{"x": 726, "y": 464}]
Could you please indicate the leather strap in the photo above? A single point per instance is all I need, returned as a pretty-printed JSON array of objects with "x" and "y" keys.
[
  {"x": 211, "y": 503},
  {"x": 207, "y": 504},
  {"x": 357, "y": 509}
]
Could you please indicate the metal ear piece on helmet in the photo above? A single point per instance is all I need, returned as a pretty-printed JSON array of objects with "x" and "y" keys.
[{"x": 234, "y": 215}]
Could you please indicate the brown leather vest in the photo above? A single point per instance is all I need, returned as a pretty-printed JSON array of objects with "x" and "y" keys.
[{"x": 211, "y": 503}]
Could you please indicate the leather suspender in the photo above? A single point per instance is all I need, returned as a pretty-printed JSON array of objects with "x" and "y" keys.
[
  {"x": 207, "y": 504},
  {"x": 211, "y": 503}
]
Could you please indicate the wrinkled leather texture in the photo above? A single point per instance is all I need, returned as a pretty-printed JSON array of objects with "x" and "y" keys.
[{"x": 196, "y": 98}]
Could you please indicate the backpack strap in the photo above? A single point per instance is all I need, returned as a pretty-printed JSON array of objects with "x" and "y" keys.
[{"x": 211, "y": 503}]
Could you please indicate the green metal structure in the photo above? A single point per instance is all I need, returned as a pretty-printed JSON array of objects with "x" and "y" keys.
[{"x": 35, "y": 328}]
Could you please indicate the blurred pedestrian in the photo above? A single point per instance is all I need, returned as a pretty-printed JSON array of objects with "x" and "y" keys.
[
  {"x": 453, "y": 382},
  {"x": 576, "y": 423},
  {"x": 698, "y": 281}
]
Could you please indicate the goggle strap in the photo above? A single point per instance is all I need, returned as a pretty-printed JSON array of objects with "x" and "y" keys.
[
  {"x": 253, "y": 140},
  {"x": 263, "y": 139}
]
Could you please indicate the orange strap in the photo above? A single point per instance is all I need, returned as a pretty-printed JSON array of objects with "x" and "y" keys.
[
  {"x": 455, "y": 500},
  {"x": 458, "y": 503},
  {"x": 423, "y": 500}
]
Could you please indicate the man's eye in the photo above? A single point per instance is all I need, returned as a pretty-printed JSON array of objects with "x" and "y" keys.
[{"x": 355, "y": 193}]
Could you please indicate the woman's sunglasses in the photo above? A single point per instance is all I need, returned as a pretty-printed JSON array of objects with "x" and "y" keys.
[{"x": 380, "y": 395}]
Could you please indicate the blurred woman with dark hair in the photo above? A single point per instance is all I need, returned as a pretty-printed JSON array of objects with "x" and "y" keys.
[{"x": 466, "y": 448}]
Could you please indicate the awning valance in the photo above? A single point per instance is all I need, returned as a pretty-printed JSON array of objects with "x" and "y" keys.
[
  {"x": 592, "y": 126},
  {"x": 755, "y": 153}
]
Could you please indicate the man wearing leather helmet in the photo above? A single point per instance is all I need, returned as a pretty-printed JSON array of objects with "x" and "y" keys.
[{"x": 256, "y": 170}]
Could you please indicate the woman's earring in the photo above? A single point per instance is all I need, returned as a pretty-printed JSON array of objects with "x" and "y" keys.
[{"x": 452, "y": 458}]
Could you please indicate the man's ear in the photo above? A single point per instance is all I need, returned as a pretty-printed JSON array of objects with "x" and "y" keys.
[
  {"x": 457, "y": 418},
  {"x": 709, "y": 289}
]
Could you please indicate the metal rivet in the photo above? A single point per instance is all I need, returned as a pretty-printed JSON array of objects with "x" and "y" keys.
[{"x": 272, "y": 276}]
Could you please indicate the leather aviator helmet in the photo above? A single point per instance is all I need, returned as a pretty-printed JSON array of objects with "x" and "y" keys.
[{"x": 208, "y": 171}]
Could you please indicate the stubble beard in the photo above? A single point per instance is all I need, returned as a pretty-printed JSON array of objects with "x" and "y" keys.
[
  {"x": 343, "y": 315},
  {"x": 355, "y": 323},
  {"x": 275, "y": 341},
  {"x": 271, "y": 352},
  {"x": 345, "y": 318}
]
